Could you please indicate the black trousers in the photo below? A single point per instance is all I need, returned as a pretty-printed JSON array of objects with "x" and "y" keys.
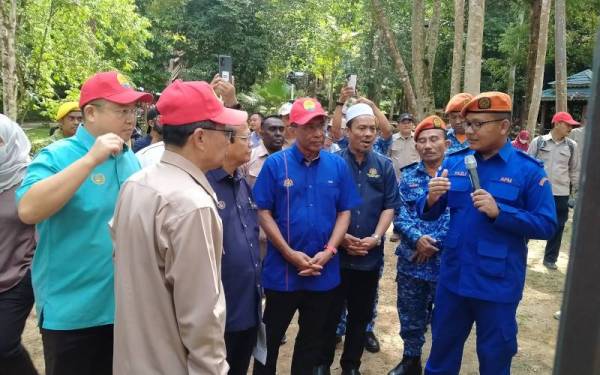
[
  {"x": 15, "y": 305},
  {"x": 240, "y": 345},
  {"x": 357, "y": 291},
  {"x": 86, "y": 351},
  {"x": 562, "y": 214},
  {"x": 281, "y": 306}
]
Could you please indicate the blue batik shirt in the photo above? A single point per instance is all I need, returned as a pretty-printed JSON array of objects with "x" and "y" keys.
[
  {"x": 455, "y": 144},
  {"x": 304, "y": 199},
  {"x": 408, "y": 223},
  {"x": 376, "y": 183},
  {"x": 486, "y": 258}
]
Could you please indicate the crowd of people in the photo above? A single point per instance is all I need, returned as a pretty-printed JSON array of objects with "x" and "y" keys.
[{"x": 193, "y": 254}]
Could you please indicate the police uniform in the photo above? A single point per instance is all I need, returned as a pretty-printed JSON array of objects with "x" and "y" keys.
[{"x": 482, "y": 273}]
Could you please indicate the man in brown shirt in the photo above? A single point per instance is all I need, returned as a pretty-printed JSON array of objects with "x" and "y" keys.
[
  {"x": 170, "y": 305},
  {"x": 272, "y": 139}
]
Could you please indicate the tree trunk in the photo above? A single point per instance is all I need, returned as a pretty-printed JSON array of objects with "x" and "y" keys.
[
  {"x": 384, "y": 25},
  {"x": 417, "y": 44},
  {"x": 512, "y": 71},
  {"x": 474, "y": 46},
  {"x": 534, "y": 32},
  {"x": 431, "y": 44},
  {"x": 458, "y": 51},
  {"x": 560, "y": 55},
  {"x": 539, "y": 66},
  {"x": 8, "y": 30}
]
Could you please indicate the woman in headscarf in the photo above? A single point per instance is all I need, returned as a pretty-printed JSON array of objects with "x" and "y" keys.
[
  {"x": 16, "y": 252},
  {"x": 522, "y": 141}
]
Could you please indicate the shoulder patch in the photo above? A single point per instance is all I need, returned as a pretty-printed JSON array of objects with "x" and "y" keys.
[
  {"x": 410, "y": 166},
  {"x": 529, "y": 157}
]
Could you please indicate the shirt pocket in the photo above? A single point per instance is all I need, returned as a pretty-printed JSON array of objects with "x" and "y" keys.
[
  {"x": 459, "y": 193},
  {"x": 491, "y": 258},
  {"x": 504, "y": 192}
]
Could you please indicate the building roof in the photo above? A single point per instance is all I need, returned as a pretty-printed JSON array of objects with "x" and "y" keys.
[{"x": 578, "y": 87}]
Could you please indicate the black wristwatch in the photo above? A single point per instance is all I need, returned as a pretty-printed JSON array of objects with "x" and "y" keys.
[{"x": 341, "y": 104}]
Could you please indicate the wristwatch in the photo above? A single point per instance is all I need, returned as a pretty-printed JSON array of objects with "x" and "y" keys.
[
  {"x": 341, "y": 104},
  {"x": 377, "y": 238}
]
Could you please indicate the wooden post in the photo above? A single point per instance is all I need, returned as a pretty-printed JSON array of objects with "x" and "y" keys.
[{"x": 578, "y": 350}]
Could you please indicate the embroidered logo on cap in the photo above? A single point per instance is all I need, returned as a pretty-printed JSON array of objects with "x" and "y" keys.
[
  {"x": 437, "y": 122},
  {"x": 484, "y": 103},
  {"x": 123, "y": 81},
  {"x": 309, "y": 105}
]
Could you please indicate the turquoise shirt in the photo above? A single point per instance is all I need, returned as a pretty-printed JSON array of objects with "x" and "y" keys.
[{"x": 72, "y": 270}]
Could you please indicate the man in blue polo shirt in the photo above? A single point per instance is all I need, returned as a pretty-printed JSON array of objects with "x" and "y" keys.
[
  {"x": 69, "y": 192},
  {"x": 240, "y": 267},
  {"x": 361, "y": 252},
  {"x": 304, "y": 196}
]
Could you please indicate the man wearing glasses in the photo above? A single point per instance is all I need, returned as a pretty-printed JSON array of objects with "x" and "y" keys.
[
  {"x": 304, "y": 195},
  {"x": 168, "y": 237},
  {"x": 485, "y": 252},
  {"x": 456, "y": 135},
  {"x": 241, "y": 259},
  {"x": 69, "y": 192}
]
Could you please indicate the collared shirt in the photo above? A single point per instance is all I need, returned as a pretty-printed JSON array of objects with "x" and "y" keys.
[
  {"x": 151, "y": 154},
  {"x": 381, "y": 145},
  {"x": 484, "y": 258},
  {"x": 168, "y": 238},
  {"x": 240, "y": 267},
  {"x": 255, "y": 139},
  {"x": 455, "y": 143},
  {"x": 413, "y": 185},
  {"x": 561, "y": 166},
  {"x": 257, "y": 159},
  {"x": 376, "y": 183},
  {"x": 72, "y": 271},
  {"x": 578, "y": 135},
  {"x": 304, "y": 199},
  {"x": 403, "y": 152}
]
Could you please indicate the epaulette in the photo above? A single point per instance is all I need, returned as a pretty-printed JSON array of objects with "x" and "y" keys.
[
  {"x": 466, "y": 148},
  {"x": 529, "y": 157},
  {"x": 410, "y": 166}
]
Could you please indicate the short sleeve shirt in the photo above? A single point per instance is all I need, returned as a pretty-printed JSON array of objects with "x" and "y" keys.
[
  {"x": 304, "y": 199},
  {"x": 72, "y": 271}
]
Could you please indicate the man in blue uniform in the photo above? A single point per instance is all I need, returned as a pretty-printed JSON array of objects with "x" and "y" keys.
[
  {"x": 361, "y": 252},
  {"x": 456, "y": 135},
  {"x": 304, "y": 196},
  {"x": 240, "y": 267},
  {"x": 418, "y": 251},
  {"x": 482, "y": 274}
]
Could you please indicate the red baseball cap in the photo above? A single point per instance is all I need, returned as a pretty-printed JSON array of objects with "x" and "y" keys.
[
  {"x": 113, "y": 87},
  {"x": 304, "y": 110},
  {"x": 183, "y": 103},
  {"x": 564, "y": 117}
]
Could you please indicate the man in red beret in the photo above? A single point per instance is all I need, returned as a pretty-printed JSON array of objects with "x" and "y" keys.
[
  {"x": 168, "y": 236},
  {"x": 561, "y": 162},
  {"x": 69, "y": 192}
]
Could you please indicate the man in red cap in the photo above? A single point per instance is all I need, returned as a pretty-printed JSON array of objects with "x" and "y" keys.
[
  {"x": 456, "y": 135},
  {"x": 168, "y": 236},
  {"x": 561, "y": 162},
  {"x": 69, "y": 192},
  {"x": 304, "y": 195}
]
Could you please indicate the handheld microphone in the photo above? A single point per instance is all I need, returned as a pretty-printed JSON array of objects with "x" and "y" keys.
[{"x": 471, "y": 165}]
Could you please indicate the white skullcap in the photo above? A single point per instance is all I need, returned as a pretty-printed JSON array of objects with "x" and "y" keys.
[
  {"x": 360, "y": 109},
  {"x": 285, "y": 109}
]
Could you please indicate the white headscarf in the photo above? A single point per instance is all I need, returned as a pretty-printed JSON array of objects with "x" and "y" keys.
[{"x": 14, "y": 153}]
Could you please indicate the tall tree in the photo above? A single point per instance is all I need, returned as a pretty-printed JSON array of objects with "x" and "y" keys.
[
  {"x": 560, "y": 54},
  {"x": 538, "y": 79},
  {"x": 458, "y": 50},
  {"x": 474, "y": 46},
  {"x": 8, "y": 35},
  {"x": 384, "y": 25},
  {"x": 535, "y": 10}
]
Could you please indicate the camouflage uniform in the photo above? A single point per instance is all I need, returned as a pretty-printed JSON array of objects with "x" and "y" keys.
[
  {"x": 455, "y": 144},
  {"x": 416, "y": 282}
]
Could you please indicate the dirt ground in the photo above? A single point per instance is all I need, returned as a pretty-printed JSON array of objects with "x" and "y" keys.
[{"x": 537, "y": 328}]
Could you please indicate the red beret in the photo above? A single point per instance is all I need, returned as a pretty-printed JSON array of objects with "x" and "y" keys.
[{"x": 430, "y": 122}]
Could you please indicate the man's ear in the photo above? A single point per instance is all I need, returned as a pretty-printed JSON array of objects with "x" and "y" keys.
[
  {"x": 197, "y": 138},
  {"x": 505, "y": 126}
]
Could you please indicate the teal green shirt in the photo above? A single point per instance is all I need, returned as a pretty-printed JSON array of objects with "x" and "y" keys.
[{"x": 72, "y": 270}]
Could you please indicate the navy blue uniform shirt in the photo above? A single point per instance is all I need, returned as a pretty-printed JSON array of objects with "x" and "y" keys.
[
  {"x": 304, "y": 199},
  {"x": 376, "y": 183},
  {"x": 485, "y": 258},
  {"x": 240, "y": 264}
]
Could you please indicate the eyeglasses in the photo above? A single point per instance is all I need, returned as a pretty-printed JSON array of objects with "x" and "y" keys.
[
  {"x": 243, "y": 137},
  {"x": 120, "y": 112},
  {"x": 228, "y": 133},
  {"x": 476, "y": 125}
]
